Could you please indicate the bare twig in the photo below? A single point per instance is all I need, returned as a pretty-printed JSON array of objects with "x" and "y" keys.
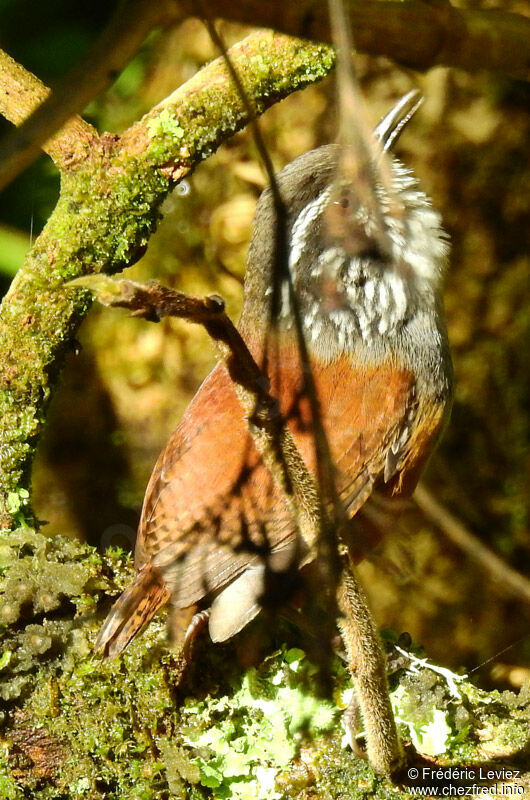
[
  {"x": 252, "y": 116},
  {"x": 359, "y": 632},
  {"x": 274, "y": 441},
  {"x": 507, "y": 580}
]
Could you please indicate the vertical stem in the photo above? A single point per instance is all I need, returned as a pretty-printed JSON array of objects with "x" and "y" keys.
[{"x": 368, "y": 667}]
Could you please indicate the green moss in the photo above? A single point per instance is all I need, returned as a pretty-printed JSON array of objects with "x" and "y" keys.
[
  {"x": 164, "y": 130},
  {"x": 117, "y": 200},
  {"x": 102, "y": 222},
  {"x": 127, "y": 729},
  {"x": 43, "y": 582},
  {"x": 106, "y": 213},
  {"x": 330, "y": 771},
  {"x": 8, "y": 787}
]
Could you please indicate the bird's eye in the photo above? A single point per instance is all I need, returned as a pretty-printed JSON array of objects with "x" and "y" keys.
[
  {"x": 361, "y": 280},
  {"x": 343, "y": 200}
]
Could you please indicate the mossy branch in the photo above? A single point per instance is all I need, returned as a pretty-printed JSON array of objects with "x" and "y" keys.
[
  {"x": 416, "y": 34},
  {"x": 72, "y": 726},
  {"x": 107, "y": 210},
  {"x": 42, "y": 112}
]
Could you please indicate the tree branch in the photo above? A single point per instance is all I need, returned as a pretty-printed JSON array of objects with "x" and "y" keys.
[
  {"x": 507, "y": 580},
  {"x": 414, "y": 33},
  {"x": 469, "y": 39},
  {"x": 42, "y": 112},
  {"x": 191, "y": 123},
  {"x": 368, "y": 666},
  {"x": 21, "y": 93},
  {"x": 107, "y": 210}
]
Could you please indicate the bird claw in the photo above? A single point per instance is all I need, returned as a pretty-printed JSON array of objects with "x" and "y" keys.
[
  {"x": 198, "y": 623},
  {"x": 353, "y": 728}
]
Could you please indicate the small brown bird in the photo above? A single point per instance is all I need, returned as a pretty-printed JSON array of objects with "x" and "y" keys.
[{"x": 214, "y": 522}]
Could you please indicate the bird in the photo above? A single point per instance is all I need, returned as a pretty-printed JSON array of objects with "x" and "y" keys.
[{"x": 365, "y": 268}]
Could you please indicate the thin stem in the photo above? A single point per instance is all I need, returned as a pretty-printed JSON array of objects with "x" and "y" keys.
[
  {"x": 507, "y": 580},
  {"x": 368, "y": 666}
]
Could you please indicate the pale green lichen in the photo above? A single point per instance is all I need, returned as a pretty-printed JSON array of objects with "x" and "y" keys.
[
  {"x": 245, "y": 740},
  {"x": 164, "y": 129},
  {"x": 124, "y": 729}
]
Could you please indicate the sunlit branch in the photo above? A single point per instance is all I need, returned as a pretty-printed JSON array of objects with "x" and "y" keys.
[
  {"x": 43, "y": 112},
  {"x": 414, "y": 33}
]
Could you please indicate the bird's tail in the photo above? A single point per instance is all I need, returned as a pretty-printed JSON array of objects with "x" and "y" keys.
[{"x": 131, "y": 612}]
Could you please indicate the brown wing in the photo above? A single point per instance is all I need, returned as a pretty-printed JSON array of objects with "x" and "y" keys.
[
  {"x": 212, "y": 512},
  {"x": 211, "y": 508},
  {"x": 365, "y": 410},
  {"x": 381, "y": 431}
]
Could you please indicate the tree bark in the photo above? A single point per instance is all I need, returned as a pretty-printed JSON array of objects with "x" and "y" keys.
[
  {"x": 107, "y": 210},
  {"x": 415, "y": 33}
]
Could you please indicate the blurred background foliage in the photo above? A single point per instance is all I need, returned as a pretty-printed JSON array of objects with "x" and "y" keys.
[{"x": 130, "y": 381}]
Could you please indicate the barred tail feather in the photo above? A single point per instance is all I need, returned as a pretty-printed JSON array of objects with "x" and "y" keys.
[{"x": 131, "y": 612}]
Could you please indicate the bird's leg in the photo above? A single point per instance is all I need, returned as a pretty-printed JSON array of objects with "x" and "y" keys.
[
  {"x": 184, "y": 626},
  {"x": 367, "y": 663},
  {"x": 198, "y": 623}
]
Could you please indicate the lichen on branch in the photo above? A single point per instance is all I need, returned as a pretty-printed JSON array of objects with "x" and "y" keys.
[
  {"x": 190, "y": 124},
  {"x": 107, "y": 210},
  {"x": 73, "y": 726}
]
